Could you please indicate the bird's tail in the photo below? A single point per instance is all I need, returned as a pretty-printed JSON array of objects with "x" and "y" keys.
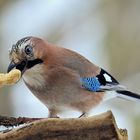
[
  {"x": 122, "y": 93},
  {"x": 125, "y": 94},
  {"x": 119, "y": 91}
]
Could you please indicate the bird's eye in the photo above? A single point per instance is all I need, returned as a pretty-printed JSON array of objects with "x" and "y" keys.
[{"x": 28, "y": 49}]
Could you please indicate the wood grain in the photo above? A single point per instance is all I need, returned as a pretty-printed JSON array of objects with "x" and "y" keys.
[{"x": 99, "y": 127}]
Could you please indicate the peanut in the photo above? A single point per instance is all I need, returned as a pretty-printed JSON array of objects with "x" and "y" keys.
[{"x": 10, "y": 78}]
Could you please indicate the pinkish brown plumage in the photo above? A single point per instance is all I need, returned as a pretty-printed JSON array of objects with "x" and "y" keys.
[{"x": 59, "y": 77}]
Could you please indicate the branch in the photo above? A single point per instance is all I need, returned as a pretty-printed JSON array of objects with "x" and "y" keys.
[
  {"x": 100, "y": 127},
  {"x": 11, "y": 121}
]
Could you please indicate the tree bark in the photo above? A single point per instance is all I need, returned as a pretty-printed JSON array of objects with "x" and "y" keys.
[{"x": 99, "y": 127}]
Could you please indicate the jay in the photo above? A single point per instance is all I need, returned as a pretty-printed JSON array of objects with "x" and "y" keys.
[{"x": 61, "y": 78}]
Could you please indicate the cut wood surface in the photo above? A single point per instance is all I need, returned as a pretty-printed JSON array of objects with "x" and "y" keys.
[{"x": 99, "y": 127}]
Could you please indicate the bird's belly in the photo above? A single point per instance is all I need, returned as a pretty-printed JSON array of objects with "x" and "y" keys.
[{"x": 82, "y": 101}]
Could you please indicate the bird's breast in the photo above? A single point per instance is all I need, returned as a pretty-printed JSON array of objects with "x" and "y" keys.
[{"x": 35, "y": 76}]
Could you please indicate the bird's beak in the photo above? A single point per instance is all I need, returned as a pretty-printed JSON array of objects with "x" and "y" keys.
[
  {"x": 11, "y": 66},
  {"x": 20, "y": 66}
]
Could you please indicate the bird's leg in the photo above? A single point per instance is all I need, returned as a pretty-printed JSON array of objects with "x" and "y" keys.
[
  {"x": 84, "y": 114},
  {"x": 53, "y": 113}
]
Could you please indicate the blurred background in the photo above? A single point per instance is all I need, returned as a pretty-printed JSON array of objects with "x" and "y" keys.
[{"x": 107, "y": 32}]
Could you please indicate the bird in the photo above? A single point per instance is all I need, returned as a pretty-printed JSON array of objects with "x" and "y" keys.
[{"x": 61, "y": 78}]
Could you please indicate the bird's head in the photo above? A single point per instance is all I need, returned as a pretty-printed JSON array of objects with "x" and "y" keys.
[{"x": 26, "y": 53}]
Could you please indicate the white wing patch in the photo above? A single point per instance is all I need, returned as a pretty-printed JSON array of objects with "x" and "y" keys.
[
  {"x": 107, "y": 77},
  {"x": 108, "y": 82}
]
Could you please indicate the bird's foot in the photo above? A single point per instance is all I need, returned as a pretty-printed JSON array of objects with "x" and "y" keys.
[
  {"x": 53, "y": 116},
  {"x": 83, "y": 115}
]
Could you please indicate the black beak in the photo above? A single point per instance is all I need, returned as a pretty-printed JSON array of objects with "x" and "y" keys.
[
  {"x": 20, "y": 66},
  {"x": 11, "y": 66}
]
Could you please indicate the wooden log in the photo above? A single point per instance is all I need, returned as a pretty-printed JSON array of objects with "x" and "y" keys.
[
  {"x": 99, "y": 127},
  {"x": 11, "y": 121}
]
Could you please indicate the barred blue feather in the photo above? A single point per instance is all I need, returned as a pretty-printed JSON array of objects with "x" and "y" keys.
[{"x": 91, "y": 83}]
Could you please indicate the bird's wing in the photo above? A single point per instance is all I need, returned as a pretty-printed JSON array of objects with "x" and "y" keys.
[{"x": 102, "y": 82}]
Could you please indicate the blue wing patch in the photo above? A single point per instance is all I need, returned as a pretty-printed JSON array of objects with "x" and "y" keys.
[
  {"x": 91, "y": 83},
  {"x": 102, "y": 82}
]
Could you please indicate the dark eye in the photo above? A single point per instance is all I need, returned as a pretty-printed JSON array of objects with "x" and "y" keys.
[{"x": 28, "y": 49}]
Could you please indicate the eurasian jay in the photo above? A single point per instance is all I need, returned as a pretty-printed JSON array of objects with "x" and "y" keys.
[{"x": 62, "y": 78}]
